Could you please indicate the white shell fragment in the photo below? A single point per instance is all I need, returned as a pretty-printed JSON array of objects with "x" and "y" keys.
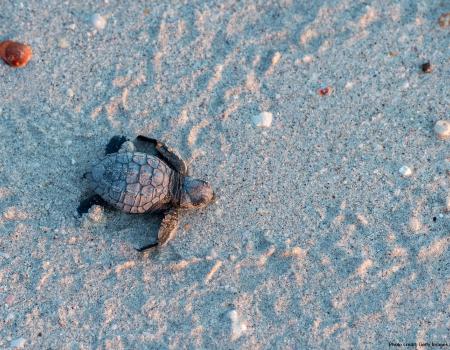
[
  {"x": 405, "y": 171},
  {"x": 98, "y": 21},
  {"x": 262, "y": 120},
  {"x": 238, "y": 327},
  {"x": 442, "y": 129}
]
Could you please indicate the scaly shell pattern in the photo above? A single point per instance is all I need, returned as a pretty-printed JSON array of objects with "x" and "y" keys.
[{"x": 133, "y": 182}]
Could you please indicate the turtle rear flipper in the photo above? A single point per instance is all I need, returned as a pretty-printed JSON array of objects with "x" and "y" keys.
[{"x": 168, "y": 154}]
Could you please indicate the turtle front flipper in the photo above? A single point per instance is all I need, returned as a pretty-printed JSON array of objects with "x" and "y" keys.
[
  {"x": 115, "y": 144},
  {"x": 167, "y": 230},
  {"x": 169, "y": 226},
  {"x": 167, "y": 154}
]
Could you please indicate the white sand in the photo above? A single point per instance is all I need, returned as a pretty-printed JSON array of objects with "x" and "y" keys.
[{"x": 316, "y": 240}]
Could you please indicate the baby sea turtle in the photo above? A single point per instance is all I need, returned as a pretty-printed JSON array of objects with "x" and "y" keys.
[{"x": 136, "y": 182}]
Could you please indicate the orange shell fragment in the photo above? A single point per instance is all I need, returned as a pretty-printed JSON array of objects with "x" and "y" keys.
[{"x": 15, "y": 54}]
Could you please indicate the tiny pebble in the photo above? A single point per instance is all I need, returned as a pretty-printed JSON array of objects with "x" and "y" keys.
[
  {"x": 307, "y": 59},
  {"x": 349, "y": 85},
  {"x": 98, "y": 21},
  {"x": 262, "y": 120},
  {"x": 442, "y": 129},
  {"x": 444, "y": 20},
  {"x": 447, "y": 204},
  {"x": 63, "y": 43},
  {"x": 405, "y": 171},
  {"x": 405, "y": 86},
  {"x": 427, "y": 68},
  {"x": 70, "y": 93},
  {"x": 18, "y": 343}
]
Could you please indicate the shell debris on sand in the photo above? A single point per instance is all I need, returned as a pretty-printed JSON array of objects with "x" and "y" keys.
[
  {"x": 238, "y": 327},
  {"x": 15, "y": 54},
  {"x": 98, "y": 21},
  {"x": 405, "y": 171},
  {"x": 442, "y": 129},
  {"x": 262, "y": 120},
  {"x": 326, "y": 91}
]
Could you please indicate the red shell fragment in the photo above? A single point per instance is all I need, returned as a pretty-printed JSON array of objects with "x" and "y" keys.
[{"x": 326, "y": 91}]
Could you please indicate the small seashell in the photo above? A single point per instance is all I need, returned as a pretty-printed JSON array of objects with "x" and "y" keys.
[
  {"x": 15, "y": 54},
  {"x": 405, "y": 171},
  {"x": 98, "y": 21},
  {"x": 442, "y": 129},
  {"x": 262, "y": 120}
]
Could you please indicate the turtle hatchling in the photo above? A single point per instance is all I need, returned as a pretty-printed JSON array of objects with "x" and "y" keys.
[{"x": 136, "y": 182}]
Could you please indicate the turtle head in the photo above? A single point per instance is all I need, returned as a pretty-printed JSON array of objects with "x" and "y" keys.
[{"x": 195, "y": 193}]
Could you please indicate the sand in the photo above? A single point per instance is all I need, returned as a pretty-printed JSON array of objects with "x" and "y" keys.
[{"x": 316, "y": 241}]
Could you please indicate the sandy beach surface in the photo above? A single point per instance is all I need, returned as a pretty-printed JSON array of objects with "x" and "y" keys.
[{"x": 314, "y": 122}]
